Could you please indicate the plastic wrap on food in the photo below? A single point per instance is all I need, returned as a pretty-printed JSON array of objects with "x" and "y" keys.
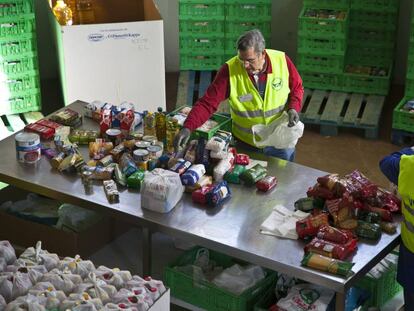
[
  {"x": 218, "y": 194},
  {"x": 334, "y": 235},
  {"x": 233, "y": 176},
  {"x": 193, "y": 174},
  {"x": 216, "y": 144},
  {"x": 222, "y": 167},
  {"x": 76, "y": 265},
  {"x": 62, "y": 280},
  {"x": 200, "y": 195},
  {"x": 317, "y": 191},
  {"x": 323, "y": 263},
  {"x": 114, "y": 277},
  {"x": 368, "y": 231},
  {"x": 97, "y": 288},
  {"x": 309, "y": 226},
  {"x": 242, "y": 159},
  {"x": 267, "y": 183},
  {"x": 135, "y": 180},
  {"x": 38, "y": 256},
  {"x": 253, "y": 175},
  {"x": 180, "y": 166},
  {"x": 7, "y": 252},
  {"x": 331, "y": 249}
]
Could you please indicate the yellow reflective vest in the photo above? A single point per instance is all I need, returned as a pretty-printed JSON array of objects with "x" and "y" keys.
[
  {"x": 247, "y": 106},
  {"x": 406, "y": 190}
]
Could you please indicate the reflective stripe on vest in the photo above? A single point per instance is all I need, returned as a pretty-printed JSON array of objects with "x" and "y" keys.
[
  {"x": 248, "y": 108},
  {"x": 406, "y": 190}
]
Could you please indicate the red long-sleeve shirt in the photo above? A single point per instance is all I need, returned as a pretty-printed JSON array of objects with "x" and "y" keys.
[{"x": 219, "y": 90}]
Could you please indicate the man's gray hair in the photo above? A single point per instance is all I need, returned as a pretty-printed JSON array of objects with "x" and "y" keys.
[{"x": 251, "y": 39}]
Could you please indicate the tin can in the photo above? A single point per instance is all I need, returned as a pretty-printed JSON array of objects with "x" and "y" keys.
[
  {"x": 159, "y": 143},
  {"x": 152, "y": 163},
  {"x": 27, "y": 147},
  {"x": 135, "y": 135},
  {"x": 111, "y": 191},
  {"x": 140, "y": 155},
  {"x": 143, "y": 165},
  {"x": 105, "y": 161},
  {"x": 141, "y": 144},
  {"x": 114, "y": 136},
  {"x": 87, "y": 181},
  {"x": 150, "y": 138},
  {"x": 154, "y": 151}
]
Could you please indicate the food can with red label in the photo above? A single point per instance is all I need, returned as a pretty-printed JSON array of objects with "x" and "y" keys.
[{"x": 27, "y": 147}]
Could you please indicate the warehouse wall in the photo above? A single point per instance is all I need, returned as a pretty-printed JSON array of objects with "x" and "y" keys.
[{"x": 284, "y": 30}]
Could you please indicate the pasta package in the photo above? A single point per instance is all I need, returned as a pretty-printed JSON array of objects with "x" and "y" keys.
[{"x": 323, "y": 263}]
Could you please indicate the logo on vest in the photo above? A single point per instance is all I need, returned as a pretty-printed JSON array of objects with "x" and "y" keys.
[{"x": 277, "y": 84}]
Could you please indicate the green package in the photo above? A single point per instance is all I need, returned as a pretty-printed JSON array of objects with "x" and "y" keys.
[
  {"x": 304, "y": 204},
  {"x": 120, "y": 177},
  {"x": 74, "y": 136},
  {"x": 135, "y": 180},
  {"x": 234, "y": 175},
  {"x": 254, "y": 174},
  {"x": 368, "y": 230},
  {"x": 327, "y": 264}
]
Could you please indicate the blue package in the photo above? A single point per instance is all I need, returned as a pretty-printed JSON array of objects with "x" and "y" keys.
[
  {"x": 218, "y": 195},
  {"x": 116, "y": 117}
]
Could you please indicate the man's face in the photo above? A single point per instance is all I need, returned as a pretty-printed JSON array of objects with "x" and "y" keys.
[{"x": 252, "y": 62}]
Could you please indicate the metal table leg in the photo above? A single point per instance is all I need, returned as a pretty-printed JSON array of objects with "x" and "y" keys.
[
  {"x": 146, "y": 251},
  {"x": 340, "y": 302}
]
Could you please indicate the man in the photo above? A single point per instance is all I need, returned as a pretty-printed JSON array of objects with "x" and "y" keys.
[
  {"x": 260, "y": 84},
  {"x": 399, "y": 169}
]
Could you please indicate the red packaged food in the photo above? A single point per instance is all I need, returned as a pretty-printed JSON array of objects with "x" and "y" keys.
[
  {"x": 385, "y": 214},
  {"x": 318, "y": 191},
  {"x": 267, "y": 183},
  {"x": 242, "y": 159},
  {"x": 106, "y": 121},
  {"x": 49, "y": 123},
  {"x": 200, "y": 195},
  {"x": 309, "y": 226},
  {"x": 331, "y": 234},
  {"x": 338, "y": 211},
  {"x": 233, "y": 151},
  {"x": 127, "y": 121},
  {"x": 330, "y": 249},
  {"x": 43, "y": 131}
]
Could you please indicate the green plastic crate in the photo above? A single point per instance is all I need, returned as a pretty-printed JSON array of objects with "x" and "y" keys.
[
  {"x": 410, "y": 68},
  {"x": 200, "y": 61},
  {"x": 330, "y": 46},
  {"x": 242, "y": 9},
  {"x": 15, "y": 7},
  {"x": 321, "y": 81},
  {"x": 323, "y": 27},
  {"x": 230, "y": 44},
  {"x": 367, "y": 84},
  {"x": 224, "y": 123},
  {"x": 409, "y": 87},
  {"x": 236, "y": 27},
  {"x": 19, "y": 64},
  {"x": 212, "y": 27},
  {"x": 202, "y": 9},
  {"x": 327, "y": 4},
  {"x": 25, "y": 103},
  {"x": 18, "y": 85},
  {"x": 12, "y": 27},
  {"x": 401, "y": 119},
  {"x": 321, "y": 63},
  {"x": 369, "y": 55},
  {"x": 205, "y": 294},
  {"x": 266, "y": 301},
  {"x": 18, "y": 46},
  {"x": 375, "y": 5},
  {"x": 373, "y": 20},
  {"x": 372, "y": 36},
  {"x": 204, "y": 44}
]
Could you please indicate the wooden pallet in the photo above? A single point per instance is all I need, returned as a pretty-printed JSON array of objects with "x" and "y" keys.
[
  {"x": 192, "y": 85},
  {"x": 400, "y": 137},
  {"x": 332, "y": 110}
]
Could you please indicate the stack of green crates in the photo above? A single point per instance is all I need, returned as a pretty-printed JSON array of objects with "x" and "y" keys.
[
  {"x": 244, "y": 15},
  {"x": 19, "y": 75},
  {"x": 322, "y": 42},
  {"x": 209, "y": 29},
  {"x": 402, "y": 118},
  {"x": 373, "y": 26}
]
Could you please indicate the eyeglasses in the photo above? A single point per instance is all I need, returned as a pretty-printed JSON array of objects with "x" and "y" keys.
[{"x": 251, "y": 61}]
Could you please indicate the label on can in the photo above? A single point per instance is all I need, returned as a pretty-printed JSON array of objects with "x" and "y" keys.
[
  {"x": 114, "y": 135},
  {"x": 142, "y": 144},
  {"x": 155, "y": 151},
  {"x": 141, "y": 155},
  {"x": 27, "y": 147},
  {"x": 150, "y": 138}
]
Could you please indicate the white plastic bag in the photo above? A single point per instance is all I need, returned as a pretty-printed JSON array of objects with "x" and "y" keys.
[
  {"x": 161, "y": 190},
  {"x": 216, "y": 144},
  {"x": 97, "y": 289},
  {"x": 35, "y": 273},
  {"x": 7, "y": 252},
  {"x": 76, "y": 266},
  {"x": 75, "y": 218},
  {"x": 115, "y": 277},
  {"x": 306, "y": 297},
  {"x": 222, "y": 167},
  {"x": 3, "y": 264},
  {"x": 113, "y": 306},
  {"x": 38, "y": 256},
  {"x": 277, "y": 134},
  {"x": 81, "y": 302},
  {"x": 3, "y": 303},
  {"x": 28, "y": 302},
  {"x": 64, "y": 281},
  {"x": 13, "y": 285}
]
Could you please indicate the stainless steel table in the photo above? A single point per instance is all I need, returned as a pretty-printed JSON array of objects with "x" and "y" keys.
[{"x": 232, "y": 229}]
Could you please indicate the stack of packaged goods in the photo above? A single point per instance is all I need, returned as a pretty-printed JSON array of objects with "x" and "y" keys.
[
  {"x": 322, "y": 43},
  {"x": 372, "y": 37},
  {"x": 403, "y": 118},
  {"x": 19, "y": 75},
  {"x": 42, "y": 281},
  {"x": 201, "y": 30},
  {"x": 244, "y": 15},
  {"x": 343, "y": 209}
]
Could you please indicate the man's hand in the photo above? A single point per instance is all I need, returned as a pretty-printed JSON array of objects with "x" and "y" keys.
[
  {"x": 181, "y": 138},
  {"x": 293, "y": 117}
]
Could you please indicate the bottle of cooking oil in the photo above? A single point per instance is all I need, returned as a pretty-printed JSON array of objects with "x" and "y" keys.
[
  {"x": 63, "y": 13},
  {"x": 86, "y": 13},
  {"x": 150, "y": 125},
  {"x": 72, "y": 5},
  {"x": 160, "y": 119},
  {"x": 172, "y": 130}
]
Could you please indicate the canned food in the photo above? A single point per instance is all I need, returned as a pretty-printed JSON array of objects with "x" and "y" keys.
[
  {"x": 87, "y": 181},
  {"x": 143, "y": 165},
  {"x": 159, "y": 143},
  {"x": 154, "y": 151},
  {"x": 27, "y": 147},
  {"x": 150, "y": 138},
  {"x": 135, "y": 135},
  {"x": 111, "y": 191},
  {"x": 114, "y": 136},
  {"x": 141, "y": 144},
  {"x": 105, "y": 161},
  {"x": 140, "y": 155}
]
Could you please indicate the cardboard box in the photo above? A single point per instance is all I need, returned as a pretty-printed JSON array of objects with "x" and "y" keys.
[
  {"x": 25, "y": 233},
  {"x": 119, "y": 58}
]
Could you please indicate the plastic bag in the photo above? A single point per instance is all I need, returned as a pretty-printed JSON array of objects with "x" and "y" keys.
[
  {"x": 64, "y": 281},
  {"x": 3, "y": 264},
  {"x": 114, "y": 276},
  {"x": 193, "y": 174},
  {"x": 223, "y": 166},
  {"x": 51, "y": 299},
  {"x": 37, "y": 256},
  {"x": 306, "y": 297},
  {"x": 97, "y": 288},
  {"x": 120, "y": 307},
  {"x": 330, "y": 249},
  {"x": 3, "y": 303},
  {"x": 141, "y": 301},
  {"x": 277, "y": 134},
  {"x": 216, "y": 144},
  {"x": 334, "y": 235},
  {"x": 28, "y": 302},
  {"x": 35, "y": 273},
  {"x": 81, "y": 302},
  {"x": 161, "y": 190},
  {"x": 237, "y": 279},
  {"x": 13, "y": 285},
  {"x": 76, "y": 219},
  {"x": 7, "y": 252},
  {"x": 77, "y": 266}
]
